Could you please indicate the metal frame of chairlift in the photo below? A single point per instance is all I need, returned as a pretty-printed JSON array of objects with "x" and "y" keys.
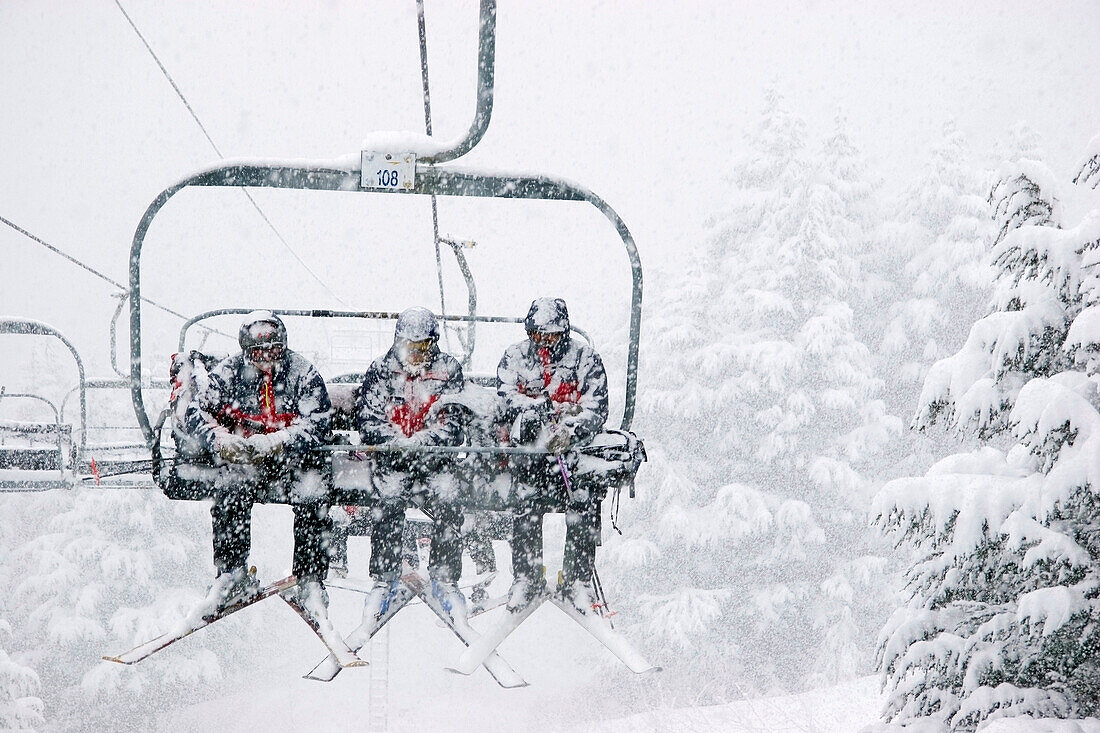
[
  {"x": 16, "y": 326},
  {"x": 430, "y": 179}
]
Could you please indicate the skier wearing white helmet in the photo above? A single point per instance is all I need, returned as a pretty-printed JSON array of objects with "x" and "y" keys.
[{"x": 395, "y": 407}]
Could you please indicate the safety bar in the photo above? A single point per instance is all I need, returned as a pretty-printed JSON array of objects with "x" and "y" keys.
[{"x": 324, "y": 313}]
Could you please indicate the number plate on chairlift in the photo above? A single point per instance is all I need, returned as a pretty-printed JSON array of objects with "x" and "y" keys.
[{"x": 388, "y": 171}]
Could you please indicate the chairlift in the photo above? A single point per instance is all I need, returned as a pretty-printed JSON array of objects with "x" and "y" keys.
[
  {"x": 410, "y": 168},
  {"x": 43, "y": 455},
  {"x": 37, "y": 456}
]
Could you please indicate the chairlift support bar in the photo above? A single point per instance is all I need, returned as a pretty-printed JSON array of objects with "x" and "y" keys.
[
  {"x": 119, "y": 384},
  {"x": 124, "y": 380},
  {"x": 324, "y": 313}
]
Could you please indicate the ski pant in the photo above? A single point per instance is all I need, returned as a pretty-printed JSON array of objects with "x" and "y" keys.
[
  {"x": 431, "y": 486},
  {"x": 231, "y": 515},
  {"x": 477, "y": 538},
  {"x": 539, "y": 487},
  {"x": 359, "y": 525}
]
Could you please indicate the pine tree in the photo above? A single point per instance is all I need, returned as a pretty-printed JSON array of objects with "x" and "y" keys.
[
  {"x": 941, "y": 237},
  {"x": 760, "y": 413},
  {"x": 1004, "y": 617},
  {"x": 19, "y": 709},
  {"x": 100, "y": 570}
]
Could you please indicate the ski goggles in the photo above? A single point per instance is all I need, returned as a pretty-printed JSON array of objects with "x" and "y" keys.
[
  {"x": 545, "y": 339},
  {"x": 265, "y": 352}
]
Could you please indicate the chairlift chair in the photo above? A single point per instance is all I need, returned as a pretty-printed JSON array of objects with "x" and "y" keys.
[{"x": 411, "y": 168}]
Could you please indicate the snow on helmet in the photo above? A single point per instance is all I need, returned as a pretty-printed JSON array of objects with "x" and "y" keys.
[
  {"x": 416, "y": 324},
  {"x": 547, "y": 315},
  {"x": 261, "y": 328}
]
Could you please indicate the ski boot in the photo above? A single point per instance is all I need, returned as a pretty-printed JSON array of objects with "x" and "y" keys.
[
  {"x": 312, "y": 596},
  {"x": 450, "y": 597},
  {"x": 378, "y": 600},
  {"x": 524, "y": 591},
  {"x": 230, "y": 588},
  {"x": 580, "y": 594}
]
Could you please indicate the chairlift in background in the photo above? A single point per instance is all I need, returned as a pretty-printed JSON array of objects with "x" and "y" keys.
[{"x": 42, "y": 455}]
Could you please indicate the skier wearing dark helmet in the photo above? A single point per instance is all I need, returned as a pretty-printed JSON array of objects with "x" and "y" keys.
[
  {"x": 260, "y": 415},
  {"x": 554, "y": 393}
]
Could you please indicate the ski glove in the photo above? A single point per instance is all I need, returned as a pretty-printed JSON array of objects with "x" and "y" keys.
[
  {"x": 233, "y": 448},
  {"x": 527, "y": 427},
  {"x": 570, "y": 409},
  {"x": 560, "y": 441},
  {"x": 268, "y": 444},
  {"x": 412, "y": 441}
]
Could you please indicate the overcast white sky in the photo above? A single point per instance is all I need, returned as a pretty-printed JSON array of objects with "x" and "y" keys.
[{"x": 644, "y": 103}]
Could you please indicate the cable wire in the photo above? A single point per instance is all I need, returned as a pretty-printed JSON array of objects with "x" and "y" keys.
[
  {"x": 214, "y": 145},
  {"x": 94, "y": 271}
]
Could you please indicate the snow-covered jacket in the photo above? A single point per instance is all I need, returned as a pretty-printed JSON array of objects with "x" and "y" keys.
[
  {"x": 246, "y": 401},
  {"x": 395, "y": 404},
  {"x": 571, "y": 373}
]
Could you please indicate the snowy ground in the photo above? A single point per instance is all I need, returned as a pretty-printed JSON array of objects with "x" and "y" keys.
[
  {"x": 565, "y": 668},
  {"x": 568, "y": 671}
]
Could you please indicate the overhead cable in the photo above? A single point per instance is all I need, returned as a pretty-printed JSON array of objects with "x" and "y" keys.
[
  {"x": 214, "y": 145},
  {"x": 90, "y": 269}
]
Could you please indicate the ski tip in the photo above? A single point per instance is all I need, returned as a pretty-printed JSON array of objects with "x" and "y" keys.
[
  {"x": 116, "y": 660},
  {"x": 356, "y": 663},
  {"x": 455, "y": 670},
  {"x": 650, "y": 670}
]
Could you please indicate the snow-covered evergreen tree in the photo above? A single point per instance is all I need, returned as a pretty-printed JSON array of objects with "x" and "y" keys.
[
  {"x": 100, "y": 570},
  {"x": 1004, "y": 617},
  {"x": 940, "y": 237},
  {"x": 760, "y": 410},
  {"x": 19, "y": 709}
]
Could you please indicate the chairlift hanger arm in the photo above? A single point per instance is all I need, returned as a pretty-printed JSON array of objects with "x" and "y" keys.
[{"x": 486, "y": 71}]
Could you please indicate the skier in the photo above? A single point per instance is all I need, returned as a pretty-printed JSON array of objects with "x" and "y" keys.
[
  {"x": 395, "y": 408},
  {"x": 260, "y": 415},
  {"x": 554, "y": 395}
]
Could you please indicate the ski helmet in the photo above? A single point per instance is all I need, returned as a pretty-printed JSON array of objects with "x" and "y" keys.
[
  {"x": 261, "y": 328},
  {"x": 416, "y": 324},
  {"x": 547, "y": 315}
]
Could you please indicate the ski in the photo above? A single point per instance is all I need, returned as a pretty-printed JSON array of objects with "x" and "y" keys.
[
  {"x": 615, "y": 643},
  {"x": 349, "y": 583},
  {"x": 500, "y": 670},
  {"x": 480, "y": 650},
  {"x": 329, "y": 667},
  {"x": 479, "y": 607},
  {"x": 338, "y": 648},
  {"x": 356, "y": 585},
  {"x": 191, "y": 624}
]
